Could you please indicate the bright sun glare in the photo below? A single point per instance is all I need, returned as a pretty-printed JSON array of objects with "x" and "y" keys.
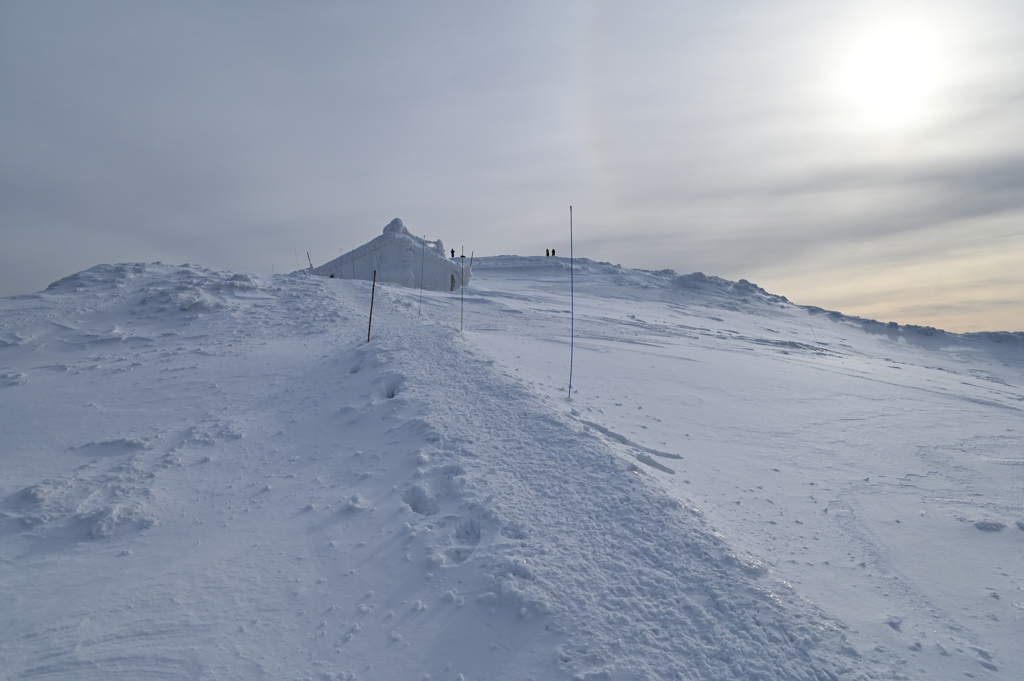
[{"x": 890, "y": 72}]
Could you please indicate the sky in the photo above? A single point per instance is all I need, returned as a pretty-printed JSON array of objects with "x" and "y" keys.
[{"x": 860, "y": 156}]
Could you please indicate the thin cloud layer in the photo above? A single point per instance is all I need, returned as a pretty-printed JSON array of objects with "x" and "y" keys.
[{"x": 693, "y": 137}]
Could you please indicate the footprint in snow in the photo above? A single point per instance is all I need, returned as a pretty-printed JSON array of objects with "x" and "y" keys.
[{"x": 990, "y": 525}]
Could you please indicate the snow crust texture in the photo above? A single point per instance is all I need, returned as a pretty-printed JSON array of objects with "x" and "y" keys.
[{"x": 213, "y": 475}]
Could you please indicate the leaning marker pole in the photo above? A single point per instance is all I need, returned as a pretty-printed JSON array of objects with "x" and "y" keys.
[
  {"x": 572, "y": 305},
  {"x": 373, "y": 291},
  {"x": 462, "y": 308}
]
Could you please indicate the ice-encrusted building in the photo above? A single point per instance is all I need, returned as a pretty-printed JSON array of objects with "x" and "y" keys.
[{"x": 400, "y": 257}]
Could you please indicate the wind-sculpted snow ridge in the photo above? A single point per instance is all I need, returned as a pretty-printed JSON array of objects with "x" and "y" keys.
[
  {"x": 709, "y": 286},
  {"x": 213, "y": 475},
  {"x": 712, "y": 291}
]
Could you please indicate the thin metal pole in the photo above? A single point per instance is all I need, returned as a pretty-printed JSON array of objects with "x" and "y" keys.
[
  {"x": 423, "y": 254},
  {"x": 572, "y": 306},
  {"x": 373, "y": 292},
  {"x": 462, "y": 291}
]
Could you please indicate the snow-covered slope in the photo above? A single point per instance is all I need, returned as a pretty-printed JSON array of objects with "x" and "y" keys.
[{"x": 214, "y": 475}]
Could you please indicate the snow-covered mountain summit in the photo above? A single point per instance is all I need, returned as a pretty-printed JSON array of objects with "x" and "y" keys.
[{"x": 213, "y": 475}]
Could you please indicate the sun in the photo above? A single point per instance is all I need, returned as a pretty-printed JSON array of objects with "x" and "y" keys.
[{"x": 889, "y": 73}]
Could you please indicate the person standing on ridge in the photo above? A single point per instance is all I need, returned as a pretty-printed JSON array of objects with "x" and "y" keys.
[
  {"x": 453, "y": 254},
  {"x": 547, "y": 252},
  {"x": 552, "y": 252}
]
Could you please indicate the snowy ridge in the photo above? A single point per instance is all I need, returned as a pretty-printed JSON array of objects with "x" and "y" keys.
[{"x": 211, "y": 474}]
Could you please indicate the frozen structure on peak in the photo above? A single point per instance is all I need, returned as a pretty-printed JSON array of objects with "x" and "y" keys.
[{"x": 402, "y": 258}]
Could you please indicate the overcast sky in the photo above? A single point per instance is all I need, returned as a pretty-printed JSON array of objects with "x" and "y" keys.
[{"x": 860, "y": 156}]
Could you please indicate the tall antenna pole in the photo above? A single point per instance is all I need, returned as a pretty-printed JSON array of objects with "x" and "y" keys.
[
  {"x": 572, "y": 306},
  {"x": 423, "y": 254},
  {"x": 462, "y": 288}
]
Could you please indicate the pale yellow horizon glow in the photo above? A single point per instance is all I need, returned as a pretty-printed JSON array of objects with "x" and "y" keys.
[{"x": 969, "y": 275}]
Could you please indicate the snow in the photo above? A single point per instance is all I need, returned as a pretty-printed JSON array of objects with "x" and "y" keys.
[
  {"x": 213, "y": 475},
  {"x": 399, "y": 257}
]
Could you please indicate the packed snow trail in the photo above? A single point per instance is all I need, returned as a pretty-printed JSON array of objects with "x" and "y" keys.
[
  {"x": 213, "y": 475},
  {"x": 641, "y": 586}
]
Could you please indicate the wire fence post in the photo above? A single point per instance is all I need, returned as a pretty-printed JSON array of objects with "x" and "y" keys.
[
  {"x": 423, "y": 255},
  {"x": 572, "y": 306},
  {"x": 373, "y": 292}
]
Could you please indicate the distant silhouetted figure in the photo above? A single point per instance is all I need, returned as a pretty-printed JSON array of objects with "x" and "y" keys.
[
  {"x": 453, "y": 254},
  {"x": 547, "y": 252},
  {"x": 552, "y": 252}
]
